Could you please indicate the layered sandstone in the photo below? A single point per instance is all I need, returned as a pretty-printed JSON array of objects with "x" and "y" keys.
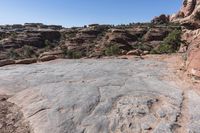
[
  {"x": 47, "y": 42},
  {"x": 189, "y": 17}
]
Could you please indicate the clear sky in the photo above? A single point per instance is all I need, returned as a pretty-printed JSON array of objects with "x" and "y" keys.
[{"x": 82, "y": 12}]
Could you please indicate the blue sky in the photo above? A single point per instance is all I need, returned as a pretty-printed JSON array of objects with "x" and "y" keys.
[{"x": 82, "y": 12}]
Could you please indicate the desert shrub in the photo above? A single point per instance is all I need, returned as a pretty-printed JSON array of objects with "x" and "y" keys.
[
  {"x": 12, "y": 54},
  {"x": 144, "y": 47},
  {"x": 73, "y": 54},
  {"x": 48, "y": 45},
  {"x": 170, "y": 44},
  {"x": 14, "y": 35},
  {"x": 112, "y": 50},
  {"x": 46, "y": 42},
  {"x": 28, "y": 51}
]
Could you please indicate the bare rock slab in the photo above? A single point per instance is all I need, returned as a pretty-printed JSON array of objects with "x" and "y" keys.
[
  {"x": 94, "y": 96},
  {"x": 194, "y": 112}
]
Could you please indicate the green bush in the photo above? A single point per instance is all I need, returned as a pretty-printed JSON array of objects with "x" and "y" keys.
[
  {"x": 48, "y": 45},
  {"x": 12, "y": 54},
  {"x": 170, "y": 44},
  {"x": 112, "y": 50},
  {"x": 73, "y": 54},
  {"x": 144, "y": 47},
  {"x": 28, "y": 51}
]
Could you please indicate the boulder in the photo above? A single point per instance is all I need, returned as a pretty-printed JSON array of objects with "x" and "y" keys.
[
  {"x": 47, "y": 58},
  {"x": 135, "y": 52},
  {"x": 55, "y": 53}
]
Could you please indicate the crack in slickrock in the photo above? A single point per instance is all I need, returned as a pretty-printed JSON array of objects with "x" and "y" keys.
[
  {"x": 183, "y": 118},
  {"x": 92, "y": 107},
  {"x": 38, "y": 111},
  {"x": 11, "y": 118}
]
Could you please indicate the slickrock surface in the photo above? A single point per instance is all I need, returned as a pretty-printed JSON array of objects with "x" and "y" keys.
[
  {"x": 11, "y": 118},
  {"x": 100, "y": 96}
]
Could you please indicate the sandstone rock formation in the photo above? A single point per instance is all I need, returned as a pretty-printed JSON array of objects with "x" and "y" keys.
[
  {"x": 100, "y": 96},
  {"x": 162, "y": 19},
  {"x": 11, "y": 118},
  {"x": 94, "y": 96},
  {"x": 35, "y": 40},
  {"x": 189, "y": 14},
  {"x": 189, "y": 17}
]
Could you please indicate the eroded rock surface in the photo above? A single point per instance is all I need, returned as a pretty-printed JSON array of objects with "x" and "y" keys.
[
  {"x": 34, "y": 40},
  {"x": 93, "y": 96},
  {"x": 11, "y": 118},
  {"x": 189, "y": 18}
]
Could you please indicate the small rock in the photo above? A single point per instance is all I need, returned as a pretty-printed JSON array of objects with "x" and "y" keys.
[
  {"x": 47, "y": 58},
  {"x": 134, "y": 52},
  {"x": 145, "y": 52}
]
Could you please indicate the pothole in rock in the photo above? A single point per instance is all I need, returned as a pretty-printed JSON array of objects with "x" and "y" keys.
[
  {"x": 143, "y": 114},
  {"x": 11, "y": 118}
]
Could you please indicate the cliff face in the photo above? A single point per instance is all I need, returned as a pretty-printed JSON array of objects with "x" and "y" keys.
[
  {"x": 189, "y": 18},
  {"x": 189, "y": 14}
]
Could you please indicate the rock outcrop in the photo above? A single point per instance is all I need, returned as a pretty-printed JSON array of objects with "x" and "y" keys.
[
  {"x": 11, "y": 118},
  {"x": 36, "y": 40},
  {"x": 100, "y": 96},
  {"x": 189, "y": 15},
  {"x": 90, "y": 96},
  {"x": 189, "y": 18}
]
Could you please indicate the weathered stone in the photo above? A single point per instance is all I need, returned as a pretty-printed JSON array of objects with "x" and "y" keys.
[
  {"x": 134, "y": 52},
  {"x": 54, "y": 53},
  {"x": 26, "y": 61},
  {"x": 194, "y": 113},
  {"x": 90, "y": 96},
  {"x": 11, "y": 118},
  {"x": 156, "y": 35},
  {"x": 6, "y": 62},
  {"x": 47, "y": 58},
  {"x": 193, "y": 64}
]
